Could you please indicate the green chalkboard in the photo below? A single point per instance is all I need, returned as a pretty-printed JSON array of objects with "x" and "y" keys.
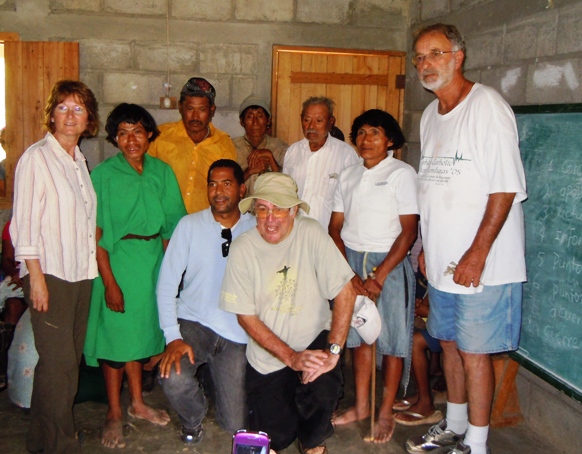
[{"x": 551, "y": 334}]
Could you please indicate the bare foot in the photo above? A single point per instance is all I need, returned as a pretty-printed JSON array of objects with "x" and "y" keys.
[
  {"x": 112, "y": 435},
  {"x": 159, "y": 417},
  {"x": 383, "y": 430},
  {"x": 347, "y": 416}
]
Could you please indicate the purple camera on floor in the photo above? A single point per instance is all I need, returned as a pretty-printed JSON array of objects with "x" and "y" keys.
[{"x": 244, "y": 442}]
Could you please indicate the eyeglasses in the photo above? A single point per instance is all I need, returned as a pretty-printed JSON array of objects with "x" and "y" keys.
[
  {"x": 431, "y": 56},
  {"x": 226, "y": 235},
  {"x": 64, "y": 109},
  {"x": 278, "y": 213}
]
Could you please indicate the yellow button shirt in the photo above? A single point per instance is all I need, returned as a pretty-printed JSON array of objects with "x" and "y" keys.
[{"x": 189, "y": 161}]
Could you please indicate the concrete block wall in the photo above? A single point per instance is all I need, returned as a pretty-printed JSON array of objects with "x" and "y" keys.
[
  {"x": 531, "y": 52},
  {"x": 125, "y": 58}
]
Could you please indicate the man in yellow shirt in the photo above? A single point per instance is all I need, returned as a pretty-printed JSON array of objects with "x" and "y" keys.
[{"x": 192, "y": 144}]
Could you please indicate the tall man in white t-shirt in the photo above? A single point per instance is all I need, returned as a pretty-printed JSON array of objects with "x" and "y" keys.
[
  {"x": 316, "y": 161},
  {"x": 471, "y": 185}
]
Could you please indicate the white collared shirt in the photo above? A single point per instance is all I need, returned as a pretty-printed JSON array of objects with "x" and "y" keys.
[
  {"x": 373, "y": 200},
  {"x": 54, "y": 215},
  {"x": 316, "y": 173}
]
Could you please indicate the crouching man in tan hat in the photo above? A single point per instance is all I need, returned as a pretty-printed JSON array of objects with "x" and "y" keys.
[{"x": 278, "y": 281}]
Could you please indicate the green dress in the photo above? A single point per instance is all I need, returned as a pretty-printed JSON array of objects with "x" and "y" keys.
[{"x": 145, "y": 204}]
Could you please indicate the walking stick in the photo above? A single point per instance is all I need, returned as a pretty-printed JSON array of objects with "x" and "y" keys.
[
  {"x": 370, "y": 438},
  {"x": 373, "y": 392}
]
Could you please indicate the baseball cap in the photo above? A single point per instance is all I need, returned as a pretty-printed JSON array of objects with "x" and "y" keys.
[
  {"x": 278, "y": 188},
  {"x": 254, "y": 100},
  {"x": 366, "y": 319},
  {"x": 197, "y": 86}
]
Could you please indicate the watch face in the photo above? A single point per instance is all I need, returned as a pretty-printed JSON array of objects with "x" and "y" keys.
[{"x": 335, "y": 349}]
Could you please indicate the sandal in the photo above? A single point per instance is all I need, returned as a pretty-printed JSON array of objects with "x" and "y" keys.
[{"x": 401, "y": 405}]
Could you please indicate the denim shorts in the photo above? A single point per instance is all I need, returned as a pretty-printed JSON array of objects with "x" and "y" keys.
[
  {"x": 395, "y": 304},
  {"x": 433, "y": 344},
  {"x": 486, "y": 322}
]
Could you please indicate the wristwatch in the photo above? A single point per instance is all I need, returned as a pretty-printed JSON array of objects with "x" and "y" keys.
[{"x": 334, "y": 349}]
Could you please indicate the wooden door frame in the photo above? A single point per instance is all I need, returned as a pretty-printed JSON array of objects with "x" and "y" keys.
[
  {"x": 6, "y": 201},
  {"x": 338, "y": 78},
  {"x": 32, "y": 69}
]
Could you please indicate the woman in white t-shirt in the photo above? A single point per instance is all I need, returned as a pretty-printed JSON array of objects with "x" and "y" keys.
[{"x": 374, "y": 224}]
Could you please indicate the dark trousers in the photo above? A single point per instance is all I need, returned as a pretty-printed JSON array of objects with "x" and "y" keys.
[
  {"x": 59, "y": 336},
  {"x": 286, "y": 409}
]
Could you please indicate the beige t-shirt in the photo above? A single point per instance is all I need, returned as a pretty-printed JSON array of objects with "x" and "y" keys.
[{"x": 287, "y": 285}]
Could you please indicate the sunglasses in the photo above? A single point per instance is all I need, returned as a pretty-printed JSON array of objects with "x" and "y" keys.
[{"x": 226, "y": 235}]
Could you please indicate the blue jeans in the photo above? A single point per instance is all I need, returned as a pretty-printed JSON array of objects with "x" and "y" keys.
[{"x": 226, "y": 361}]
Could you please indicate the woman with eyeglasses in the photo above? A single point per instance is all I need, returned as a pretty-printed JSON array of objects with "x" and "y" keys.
[
  {"x": 53, "y": 232},
  {"x": 139, "y": 204}
]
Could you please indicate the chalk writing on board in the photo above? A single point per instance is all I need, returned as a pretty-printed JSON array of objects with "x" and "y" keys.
[{"x": 551, "y": 336}]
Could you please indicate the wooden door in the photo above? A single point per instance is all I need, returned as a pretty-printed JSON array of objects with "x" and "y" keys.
[
  {"x": 32, "y": 68},
  {"x": 356, "y": 80}
]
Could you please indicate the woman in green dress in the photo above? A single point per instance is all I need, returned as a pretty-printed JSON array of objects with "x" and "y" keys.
[{"x": 138, "y": 206}]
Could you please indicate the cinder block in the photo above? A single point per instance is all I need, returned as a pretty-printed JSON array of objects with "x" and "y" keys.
[
  {"x": 143, "y": 7},
  {"x": 465, "y": 4},
  {"x": 417, "y": 96},
  {"x": 412, "y": 126},
  {"x": 93, "y": 80},
  {"x": 109, "y": 150},
  {"x": 433, "y": 8},
  {"x": 377, "y": 13},
  {"x": 75, "y": 5},
  {"x": 411, "y": 154},
  {"x": 510, "y": 82},
  {"x": 105, "y": 55},
  {"x": 569, "y": 37},
  {"x": 228, "y": 121},
  {"x": 91, "y": 148},
  {"x": 135, "y": 88},
  {"x": 323, "y": 11},
  {"x": 546, "y": 38},
  {"x": 202, "y": 9},
  {"x": 222, "y": 86},
  {"x": 264, "y": 10},
  {"x": 241, "y": 88},
  {"x": 520, "y": 43},
  {"x": 414, "y": 13},
  {"x": 156, "y": 57},
  {"x": 484, "y": 50},
  {"x": 554, "y": 82},
  {"x": 228, "y": 58},
  {"x": 165, "y": 115},
  {"x": 474, "y": 75}
]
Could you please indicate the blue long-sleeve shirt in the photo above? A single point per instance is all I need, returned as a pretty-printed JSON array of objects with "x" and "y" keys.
[{"x": 196, "y": 248}]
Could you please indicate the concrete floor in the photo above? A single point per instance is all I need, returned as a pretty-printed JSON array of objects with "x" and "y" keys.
[{"x": 143, "y": 437}]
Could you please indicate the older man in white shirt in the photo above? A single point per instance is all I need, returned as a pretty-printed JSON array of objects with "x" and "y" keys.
[{"x": 316, "y": 161}]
